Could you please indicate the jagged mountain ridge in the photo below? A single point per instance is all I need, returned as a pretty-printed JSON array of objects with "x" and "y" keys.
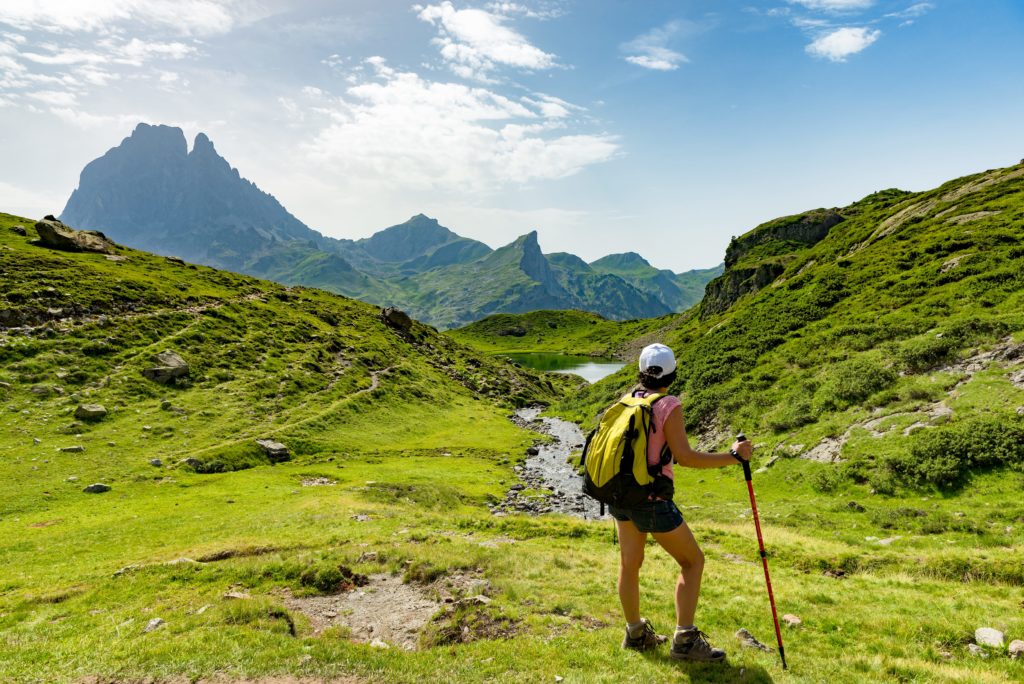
[{"x": 151, "y": 192}]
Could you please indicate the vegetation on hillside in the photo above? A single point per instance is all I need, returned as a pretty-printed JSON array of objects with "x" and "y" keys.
[
  {"x": 907, "y": 315},
  {"x": 398, "y": 441}
]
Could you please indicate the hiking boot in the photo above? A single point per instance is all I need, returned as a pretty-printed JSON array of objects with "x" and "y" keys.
[
  {"x": 645, "y": 640},
  {"x": 693, "y": 645}
]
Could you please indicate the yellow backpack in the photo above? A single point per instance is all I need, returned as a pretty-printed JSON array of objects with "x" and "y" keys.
[{"x": 615, "y": 469}]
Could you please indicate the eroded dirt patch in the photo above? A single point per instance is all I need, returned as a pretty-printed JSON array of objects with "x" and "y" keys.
[{"x": 387, "y": 612}]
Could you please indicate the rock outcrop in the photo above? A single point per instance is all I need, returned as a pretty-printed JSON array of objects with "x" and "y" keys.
[
  {"x": 56, "y": 235},
  {"x": 396, "y": 318},
  {"x": 170, "y": 367},
  {"x": 807, "y": 229}
]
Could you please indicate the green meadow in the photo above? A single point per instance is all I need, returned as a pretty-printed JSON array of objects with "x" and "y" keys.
[{"x": 398, "y": 440}]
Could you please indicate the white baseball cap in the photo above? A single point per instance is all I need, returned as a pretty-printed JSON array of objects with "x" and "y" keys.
[{"x": 659, "y": 355}]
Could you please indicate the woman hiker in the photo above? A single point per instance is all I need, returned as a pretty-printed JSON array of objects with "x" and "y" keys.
[{"x": 661, "y": 518}]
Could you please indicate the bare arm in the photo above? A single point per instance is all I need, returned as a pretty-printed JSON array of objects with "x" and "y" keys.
[{"x": 684, "y": 454}]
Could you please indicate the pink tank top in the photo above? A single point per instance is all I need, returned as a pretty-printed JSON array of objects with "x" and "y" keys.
[{"x": 662, "y": 408}]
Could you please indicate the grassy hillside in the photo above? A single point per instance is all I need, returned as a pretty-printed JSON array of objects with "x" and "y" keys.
[
  {"x": 398, "y": 442},
  {"x": 569, "y": 332},
  {"x": 906, "y": 316}
]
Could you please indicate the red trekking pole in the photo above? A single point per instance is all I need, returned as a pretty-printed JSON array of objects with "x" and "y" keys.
[{"x": 760, "y": 543}]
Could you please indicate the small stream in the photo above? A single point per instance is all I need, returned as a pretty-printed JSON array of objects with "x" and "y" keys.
[{"x": 549, "y": 471}]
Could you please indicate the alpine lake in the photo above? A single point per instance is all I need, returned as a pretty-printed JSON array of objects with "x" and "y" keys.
[{"x": 590, "y": 368}]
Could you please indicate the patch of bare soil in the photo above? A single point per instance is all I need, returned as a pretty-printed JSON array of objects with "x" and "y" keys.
[{"x": 387, "y": 612}]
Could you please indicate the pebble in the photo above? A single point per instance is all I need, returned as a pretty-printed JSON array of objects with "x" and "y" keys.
[
  {"x": 377, "y": 643},
  {"x": 792, "y": 620},
  {"x": 1016, "y": 648},
  {"x": 987, "y": 636},
  {"x": 235, "y": 595},
  {"x": 97, "y": 488},
  {"x": 155, "y": 623},
  {"x": 155, "y": 462},
  {"x": 977, "y": 650},
  {"x": 73, "y": 449}
]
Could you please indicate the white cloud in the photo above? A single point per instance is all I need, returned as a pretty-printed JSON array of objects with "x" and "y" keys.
[
  {"x": 839, "y": 44},
  {"x": 23, "y": 202},
  {"x": 510, "y": 8},
  {"x": 57, "y": 98},
  {"x": 913, "y": 12},
  {"x": 474, "y": 42},
  {"x": 403, "y": 131},
  {"x": 187, "y": 17},
  {"x": 834, "y": 5},
  {"x": 87, "y": 121},
  {"x": 650, "y": 50}
]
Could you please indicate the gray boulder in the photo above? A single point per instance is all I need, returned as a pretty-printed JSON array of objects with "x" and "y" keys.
[
  {"x": 170, "y": 366},
  {"x": 90, "y": 412},
  {"x": 54, "y": 234},
  {"x": 987, "y": 636},
  {"x": 396, "y": 318},
  {"x": 19, "y": 230},
  {"x": 97, "y": 488},
  {"x": 275, "y": 451}
]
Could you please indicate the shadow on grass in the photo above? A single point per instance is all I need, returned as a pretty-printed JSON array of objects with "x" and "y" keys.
[{"x": 719, "y": 673}]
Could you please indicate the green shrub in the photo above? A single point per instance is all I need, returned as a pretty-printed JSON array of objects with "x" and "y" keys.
[
  {"x": 921, "y": 354},
  {"x": 849, "y": 382},
  {"x": 944, "y": 455}
]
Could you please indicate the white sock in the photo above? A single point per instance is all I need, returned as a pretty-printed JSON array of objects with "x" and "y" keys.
[
  {"x": 681, "y": 629},
  {"x": 634, "y": 627}
]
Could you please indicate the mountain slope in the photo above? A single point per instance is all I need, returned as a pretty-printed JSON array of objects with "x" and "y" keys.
[
  {"x": 150, "y": 192},
  {"x": 678, "y": 291},
  {"x": 857, "y": 333}
]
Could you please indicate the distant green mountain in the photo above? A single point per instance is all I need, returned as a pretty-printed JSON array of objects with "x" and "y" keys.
[
  {"x": 151, "y": 192},
  {"x": 679, "y": 291}
]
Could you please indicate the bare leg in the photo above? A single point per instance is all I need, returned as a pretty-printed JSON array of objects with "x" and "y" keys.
[
  {"x": 631, "y": 550},
  {"x": 681, "y": 545}
]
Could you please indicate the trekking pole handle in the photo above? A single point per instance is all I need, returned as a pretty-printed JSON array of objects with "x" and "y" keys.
[{"x": 743, "y": 462}]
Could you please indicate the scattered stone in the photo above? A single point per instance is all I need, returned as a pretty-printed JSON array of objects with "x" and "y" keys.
[
  {"x": 170, "y": 367},
  {"x": 855, "y": 507},
  {"x": 36, "y": 441},
  {"x": 987, "y": 636},
  {"x": 361, "y": 518},
  {"x": 56, "y": 235},
  {"x": 888, "y": 540},
  {"x": 236, "y": 596},
  {"x": 19, "y": 230},
  {"x": 90, "y": 412},
  {"x": 792, "y": 620},
  {"x": 1016, "y": 648},
  {"x": 155, "y": 623},
  {"x": 203, "y": 609},
  {"x": 558, "y": 678},
  {"x": 275, "y": 451},
  {"x": 72, "y": 478},
  {"x": 191, "y": 462},
  {"x": 165, "y": 404},
  {"x": 747, "y": 640},
  {"x": 97, "y": 488},
  {"x": 318, "y": 482},
  {"x": 77, "y": 449},
  {"x": 175, "y": 260},
  {"x": 532, "y": 451},
  {"x": 479, "y": 600},
  {"x": 396, "y": 318},
  {"x": 156, "y": 462},
  {"x": 377, "y": 643},
  {"x": 977, "y": 650},
  {"x": 116, "y": 257}
]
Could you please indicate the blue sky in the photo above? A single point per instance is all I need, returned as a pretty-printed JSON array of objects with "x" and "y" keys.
[{"x": 658, "y": 127}]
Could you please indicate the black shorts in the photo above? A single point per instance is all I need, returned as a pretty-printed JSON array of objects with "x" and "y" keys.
[{"x": 654, "y": 516}]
